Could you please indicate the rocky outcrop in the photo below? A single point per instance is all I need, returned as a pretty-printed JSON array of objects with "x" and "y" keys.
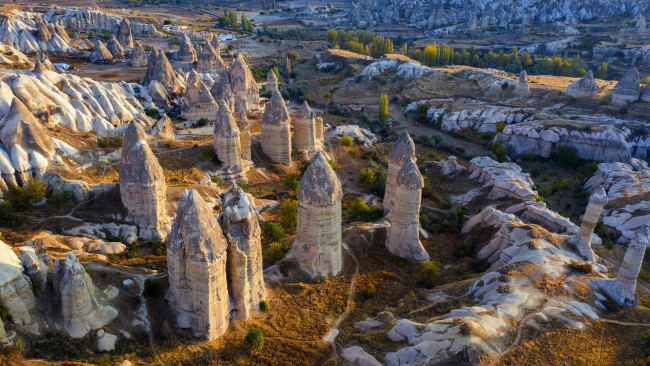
[
  {"x": 209, "y": 61},
  {"x": 361, "y": 136},
  {"x": 450, "y": 166},
  {"x": 522, "y": 89},
  {"x": 397, "y": 67},
  {"x": 271, "y": 81},
  {"x": 243, "y": 83},
  {"x": 304, "y": 130},
  {"x": 505, "y": 180},
  {"x": 45, "y": 61},
  {"x": 227, "y": 144},
  {"x": 403, "y": 237},
  {"x": 597, "y": 201},
  {"x": 402, "y": 152},
  {"x": 317, "y": 247},
  {"x": 198, "y": 102},
  {"x": 276, "y": 130},
  {"x": 186, "y": 51},
  {"x": 96, "y": 21},
  {"x": 619, "y": 180},
  {"x": 222, "y": 91},
  {"x": 124, "y": 34},
  {"x": 242, "y": 231},
  {"x": 16, "y": 293},
  {"x": 628, "y": 89},
  {"x": 115, "y": 48},
  {"x": 164, "y": 129},
  {"x": 138, "y": 56},
  {"x": 142, "y": 186},
  {"x": 160, "y": 70},
  {"x": 623, "y": 288},
  {"x": 196, "y": 263},
  {"x": 80, "y": 309},
  {"x": 586, "y": 87},
  {"x": 100, "y": 53}
]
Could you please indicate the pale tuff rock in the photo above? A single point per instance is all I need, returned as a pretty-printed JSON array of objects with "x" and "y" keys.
[
  {"x": 115, "y": 48},
  {"x": 142, "y": 185},
  {"x": 138, "y": 56},
  {"x": 45, "y": 61},
  {"x": 42, "y": 32},
  {"x": 597, "y": 201},
  {"x": 397, "y": 67},
  {"x": 164, "y": 129},
  {"x": 586, "y": 87},
  {"x": 100, "y": 53},
  {"x": 403, "y": 238},
  {"x": 226, "y": 140},
  {"x": 198, "y": 102},
  {"x": 317, "y": 247},
  {"x": 216, "y": 44},
  {"x": 209, "y": 60},
  {"x": 450, "y": 166},
  {"x": 39, "y": 67},
  {"x": 242, "y": 230},
  {"x": 271, "y": 81},
  {"x": 402, "y": 152},
  {"x": 276, "y": 130},
  {"x": 505, "y": 179},
  {"x": 304, "y": 129},
  {"x": 96, "y": 21},
  {"x": 222, "y": 91},
  {"x": 80, "y": 309},
  {"x": 619, "y": 180},
  {"x": 186, "y": 51},
  {"x": 28, "y": 146},
  {"x": 628, "y": 89},
  {"x": 32, "y": 32},
  {"x": 196, "y": 262},
  {"x": 36, "y": 263},
  {"x": 15, "y": 291},
  {"x": 159, "y": 95},
  {"x": 124, "y": 35},
  {"x": 358, "y": 356},
  {"x": 161, "y": 71},
  {"x": 243, "y": 83},
  {"x": 522, "y": 89},
  {"x": 623, "y": 288},
  {"x": 244, "y": 136},
  {"x": 105, "y": 341},
  {"x": 361, "y": 136},
  {"x": 319, "y": 131}
]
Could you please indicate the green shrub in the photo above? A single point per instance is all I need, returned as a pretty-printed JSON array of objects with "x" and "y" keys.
[
  {"x": 264, "y": 306},
  {"x": 203, "y": 122},
  {"x": 500, "y": 126},
  {"x": 346, "y": 141},
  {"x": 475, "y": 80},
  {"x": 289, "y": 214},
  {"x": 567, "y": 157},
  {"x": 359, "y": 210},
  {"x": 90, "y": 271},
  {"x": 353, "y": 153},
  {"x": 291, "y": 181},
  {"x": 208, "y": 152},
  {"x": 110, "y": 142},
  {"x": 216, "y": 179},
  {"x": 132, "y": 251},
  {"x": 428, "y": 273},
  {"x": 33, "y": 191},
  {"x": 276, "y": 251},
  {"x": 8, "y": 216},
  {"x": 368, "y": 292},
  {"x": 152, "y": 112},
  {"x": 367, "y": 178},
  {"x": 57, "y": 200},
  {"x": 273, "y": 231},
  {"x": 254, "y": 339}
]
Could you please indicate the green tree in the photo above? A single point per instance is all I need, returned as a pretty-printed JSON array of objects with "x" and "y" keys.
[
  {"x": 289, "y": 214},
  {"x": 246, "y": 25},
  {"x": 405, "y": 49},
  {"x": 380, "y": 46},
  {"x": 273, "y": 231},
  {"x": 254, "y": 339},
  {"x": 602, "y": 71},
  {"x": 430, "y": 55},
  {"x": 228, "y": 20},
  {"x": 331, "y": 36},
  {"x": 383, "y": 109},
  {"x": 346, "y": 141}
]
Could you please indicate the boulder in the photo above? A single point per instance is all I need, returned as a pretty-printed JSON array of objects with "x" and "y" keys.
[
  {"x": 586, "y": 87},
  {"x": 138, "y": 56},
  {"x": 628, "y": 89},
  {"x": 164, "y": 129},
  {"x": 100, "y": 53}
]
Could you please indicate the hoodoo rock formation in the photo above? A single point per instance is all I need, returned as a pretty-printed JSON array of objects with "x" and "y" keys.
[
  {"x": 142, "y": 186},
  {"x": 80, "y": 309},
  {"x": 304, "y": 133},
  {"x": 628, "y": 90},
  {"x": 597, "y": 201},
  {"x": 124, "y": 34},
  {"x": 243, "y": 83},
  {"x": 402, "y": 151},
  {"x": 227, "y": 144},
  {"x": 222, "y": 91},
  {"x": 196, "y": 262},
  {"x": 138, "y": 56},
  {"x": 403, "y": 235},
  {"x": 164, "y": 129},
  {"x": 522, "y": 89},
  {"x": 198, "y": 102},
  {"x": 276, "y": 130},
  {"x": 242, "y": 231},
  {"x": 317, "y": 247},
  {"x": 160, "y": 70},
  {"x": 42, "y": 57},
  {"x": 583, "y": 88},
  {"x": 100, "y": 53},
  {"x": 209, "y": 60},
  {"x": 186, "y": 51},
  {"x": 115, "y": 48},
  {"x": 244, "y": 136},
  {"x": 16, "y": 294},
  {"x": 623, "y": 288},
  {"x": 271, "y": 81}
]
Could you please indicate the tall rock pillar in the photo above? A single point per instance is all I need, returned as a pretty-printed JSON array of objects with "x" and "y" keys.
[
  {"x": 402, "y": 151},
  {"x": 597, "y": 201},
  {"x": 304, "y": 129},
  {"x": 276, "y": 130}
]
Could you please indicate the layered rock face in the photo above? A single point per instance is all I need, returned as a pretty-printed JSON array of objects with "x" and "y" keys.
[
  {"x": 198, "y": 102},
  {"x": 597, "y": 201},
  {"x": 243, "y": 83},
  {"x": 96, "y": 21},
  {"x": 16, "y": 292},
  {"x": 276, "y": 130},
  {"x": 242, "y": 230},
  {"x": 271, "y": 81},
  {"x": 164, "y": 129},
  {"x": 196, "y": 262},
  {"x": 142, "y": 186},
  {"x": 226, "y": 140},
  {"x": 628, "y": 89},
  {"x": 160, "y": 70},
  {"x": 124, "y": 35},
  {"x": 583, "y": 88},
  {"x": 403, "y": 237},
  {"x": 317, "y": 247},
  {"x": 522, "y": 89},
  {"x": 304, "y": 133},
  {"x": 209, "y": 61},
  {"x": 222, "y": 91},
  {"x": 244, "y": 136},
  {"x": 402, "y": 152},
  {"x": 623, "y": 288},
  {"x": 138, "y": 56},
  {"x": 100, "y": 53},
  {"x": 80, "y": 310},
  {"x": 115, "y": 48},
  {"x": 186, "y": 51},
  {"x": 505, "y": 180}
]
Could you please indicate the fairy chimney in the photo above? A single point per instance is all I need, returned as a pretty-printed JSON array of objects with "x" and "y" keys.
[
  {"x": 402, "y": 151},
  {"x": 100, "y": 53},
  {"x": 186, "y": 51},
  {"x": 115, "y": 48},
  {"x": 628, "y": 90},
  {"x": 243, "y": 83},
  {"x": 226, "y": 139},
  {"x": 222, "y": 91},
  {"x": 160, "y": 70},
  {"x": 198, "y": 102},
  {"x": 597, "y": 201},
  {"x": 276, "y": 130},
  {"x": 124, "y": 35},
  {"x": 244, "y": 136},
  {"x": 304, "y": 133},
  {"x": 521, "y": 89},
  {"x": 586, "y": 87},
  {"x": 271, "y": 81},
  {"x": 209, "y": 61},
  {"x": 138, "y": 56}
]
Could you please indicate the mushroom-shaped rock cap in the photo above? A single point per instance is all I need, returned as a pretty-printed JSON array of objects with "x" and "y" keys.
[
  {"x": 196, "y": 229},
  {"x": 599, "y": 196},
  {"x": 403, "y": 150},
  {"x": 276, "y": 111},
  {"x": 522, "y": 76},
  {"x": 410, "y": 176},
  {"x": 642, "y": 236},
  {"x": 630, "y": 83},
  {"x": 319, "y": 185},
  {"x": 304, "y": 111}
]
